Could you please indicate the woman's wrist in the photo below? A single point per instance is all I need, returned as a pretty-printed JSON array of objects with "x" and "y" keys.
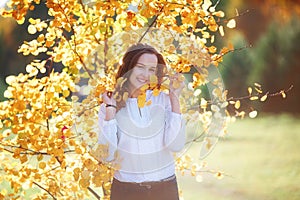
[
  {"x": 175, "y": 104},
  {"x": 111, "y": 105},
  {"x": 110, "y": 111}
]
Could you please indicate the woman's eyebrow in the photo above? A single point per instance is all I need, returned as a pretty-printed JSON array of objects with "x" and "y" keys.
[{"x": 146, "y": 65}]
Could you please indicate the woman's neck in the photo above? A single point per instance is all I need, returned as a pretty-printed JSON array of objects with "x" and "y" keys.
[{"x": 135, "y": 93}]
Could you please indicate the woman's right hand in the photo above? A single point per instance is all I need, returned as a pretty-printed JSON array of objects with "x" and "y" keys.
[{"x": 108, "y": 99}]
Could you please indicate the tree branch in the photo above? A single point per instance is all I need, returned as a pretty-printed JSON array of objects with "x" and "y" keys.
[
  {"x": 151, "y": 25},
  {"x": 93, "y": 192},
  {"x": 260, "y": 95},
  {"x": 74, "y": 40},
  {"x": 44, "y": 189},
  {"x": 237, "y": 15},
  {"x": 31, "y": 152}
]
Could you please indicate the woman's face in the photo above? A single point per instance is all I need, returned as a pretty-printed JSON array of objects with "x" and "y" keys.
[{"x": 141, "y": 72}]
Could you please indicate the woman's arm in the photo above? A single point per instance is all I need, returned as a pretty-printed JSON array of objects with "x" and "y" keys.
[
  {"x": 175, "y": 105},
  {"x": 175, "y": 91},
  {"x": 108, "y": 126},
  {"x": 174, "y": 138}
]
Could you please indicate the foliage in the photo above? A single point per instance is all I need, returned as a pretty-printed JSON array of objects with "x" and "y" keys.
[
  {"x": 276, "y": 48},
  {"x": 49, "y": 138}
]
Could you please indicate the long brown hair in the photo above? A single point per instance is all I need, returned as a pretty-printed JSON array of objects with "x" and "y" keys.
[{"x": 129, "y": 61}]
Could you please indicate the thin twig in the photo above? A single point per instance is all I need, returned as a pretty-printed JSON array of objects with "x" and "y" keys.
[
  {"x": 31, "y": 152},
  {"x": 151, "y": 25},
  {"x": 44, "y": 189},
  {"x": 196, "y": 138},
  {"x": 93, "y": 192},
  {"x": 260, "y": 95},
  {"x": 74, "y": 40},
  {"x": 238, "y": 15}
]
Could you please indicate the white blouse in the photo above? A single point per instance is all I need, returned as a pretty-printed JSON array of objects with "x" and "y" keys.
[{"x": 144, "y": 138}]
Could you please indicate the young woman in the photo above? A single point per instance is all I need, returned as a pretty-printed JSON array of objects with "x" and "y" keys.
[{"x": 144, "y": 139}]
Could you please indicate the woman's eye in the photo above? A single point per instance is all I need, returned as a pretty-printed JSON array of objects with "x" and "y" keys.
[{"x": 152, "y": 70}]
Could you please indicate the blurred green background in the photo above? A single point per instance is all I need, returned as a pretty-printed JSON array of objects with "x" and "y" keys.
[{"x": 261, "y": 156}]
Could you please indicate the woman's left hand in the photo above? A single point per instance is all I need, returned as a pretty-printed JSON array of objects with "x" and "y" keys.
[{"x": 176, "y": 84}]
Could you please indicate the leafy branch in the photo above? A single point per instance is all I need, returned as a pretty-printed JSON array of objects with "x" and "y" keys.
[
  {"x": 28, "y": 151},
  {"x": 74, "y": 40},
  {"x": 152, "y": 24},
  {"x": 259, "y": 95}
]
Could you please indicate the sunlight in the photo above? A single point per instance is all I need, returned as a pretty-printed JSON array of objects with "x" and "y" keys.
[{"x": 2, "y": 3}]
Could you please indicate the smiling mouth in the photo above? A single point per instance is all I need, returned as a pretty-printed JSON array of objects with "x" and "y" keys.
[{"x": 142, "y": 81}]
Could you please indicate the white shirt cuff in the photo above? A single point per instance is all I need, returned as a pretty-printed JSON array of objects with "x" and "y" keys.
[{"x": 110, "y": 122}]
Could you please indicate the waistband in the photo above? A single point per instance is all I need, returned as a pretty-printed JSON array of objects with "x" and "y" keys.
[{"x": 147, "y": 184}]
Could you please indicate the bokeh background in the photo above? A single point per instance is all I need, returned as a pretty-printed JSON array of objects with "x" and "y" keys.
[{"x": 260, "y": 156}]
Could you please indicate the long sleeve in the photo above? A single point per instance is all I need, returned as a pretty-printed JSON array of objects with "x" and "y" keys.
[
  {"x": 174, "y": 137},
  {"x": 108, "y": 133}
]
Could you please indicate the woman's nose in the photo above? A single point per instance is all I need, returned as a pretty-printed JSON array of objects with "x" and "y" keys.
[{"x": 146, "y": 73}]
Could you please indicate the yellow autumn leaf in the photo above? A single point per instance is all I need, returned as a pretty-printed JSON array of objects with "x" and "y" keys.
[
  {"x": 78, "y": 150},
  {"x": 125, "y": 96},
  {"x": 21, "y": 20},
  {"x": 203, "y": 103},
  {"x": 76, "y": 173},
  {"x": 197, "y": 92},
  {"x": 84, "y": 183},
  {"x": 40, "y": 157},
  {"x": 141, "y": 100},
  {"x": 176, "y": 84},
  {"x": 208, "y": 143},
  {"x": 237, "y": 104},
  {"x": 219, "y": 14},
  {"x": 264, "y": 98},
  {"x": 215, "y": 108},
  {"x": 206, "y": 4},
  {"x": 144, "y": 87},
  {"x": 181, "y": 78},
  {"x": 219, "y": 175},
  {"x": 66, "y": 93},
  {"x": 42, "y": 165},
  {"x": 148, "y": 103},
  {"x": 32, "y": 21},
  {"x": 109, "y": 21},
  {"x": 257, "y": 85},
  {"x": 230, "y": 46},
  {"x": 31, "y": 29},
  {"x": 221, "y": 30},
  {"x": 231, "y": 23},
  {"x": 253, "y": 114},
  {"x": 253, "y": 98},
  {"x": 118, "y": 97},
  {"x": 283, "y": 94},
  {"x": 224, "y": 50},
  {"x": 258, "y": 90},
  {"x": 212, "y": 49},
  {"x": 199, "y": 178},
  {"x": 23, "y": 158},
  {"x": 153, "y": 81},
  {"x": 250, "y": 90},
  {"x": 41, "y": 38}
]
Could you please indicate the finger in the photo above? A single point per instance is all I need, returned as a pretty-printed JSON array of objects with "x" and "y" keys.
[{"x": 109, "y": 94}]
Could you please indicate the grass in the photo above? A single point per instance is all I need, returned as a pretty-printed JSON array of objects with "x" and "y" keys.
[{"x": 260, "y": 155}]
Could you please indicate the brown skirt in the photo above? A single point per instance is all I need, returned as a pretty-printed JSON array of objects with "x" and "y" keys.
[{"x": 156, "y": 190}]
